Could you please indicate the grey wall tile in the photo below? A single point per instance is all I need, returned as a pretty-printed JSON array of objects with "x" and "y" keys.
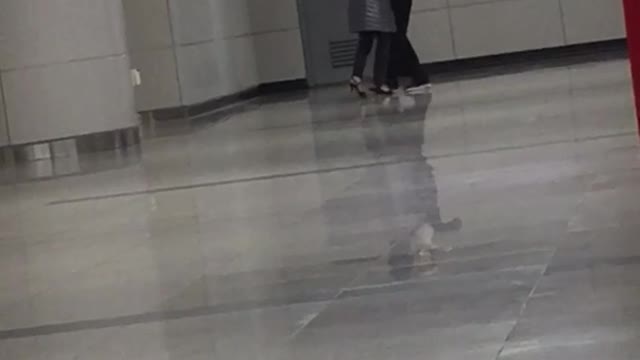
[
  {"x": 237, "y": 65},
  {"x": 228, "y": 82},
  {"x": 419, "y": 5},
  {"x": 279, "y": 56},
  {"x": 232, "y": 18},
  {"x": 273, "y": 15},
  {"x": 459, "y": 3},
  {"x": 159, "y": 87},
  {"x": 430, "y": 33},
  {"x": 148, "y": 24},
  {"x": 245, "y": 68},
  {"x": 506, "y": 26},
  {"x": 216, "y": 50},
  {"x": 593, "y": 20},
  {"x": 193, "y": 20},
  {"x": 69, "y": 99},
  {"x": 66, "y": 30},
  {"x": 199, "y": 69}
]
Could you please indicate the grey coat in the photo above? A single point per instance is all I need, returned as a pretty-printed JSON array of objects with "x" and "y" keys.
[{"x": 371, "y": 15}]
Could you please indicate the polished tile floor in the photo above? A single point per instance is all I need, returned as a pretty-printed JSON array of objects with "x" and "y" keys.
[{"x": 495, "y": 219}]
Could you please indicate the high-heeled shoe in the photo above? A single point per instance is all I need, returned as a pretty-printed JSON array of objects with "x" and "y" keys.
[
  {"x": 382, "y": 90},
  {"x": 355, "y": 85}
]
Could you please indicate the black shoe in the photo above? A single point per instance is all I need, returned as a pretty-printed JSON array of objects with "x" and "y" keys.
[{"x": 355, "y": 84}]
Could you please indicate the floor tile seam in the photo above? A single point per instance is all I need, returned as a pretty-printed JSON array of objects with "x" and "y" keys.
[
  {"x": 349, "y": 287},
  {"x": 465, "y": 260},
  {"x": 311, "y": 318},
  {"x": 43, "y": 238},
  {"x": 300, "y": 125},
  {"x": 333, "y": 301},
  {"x": 524, "y": 306},
  {"x": 50, "y": 288},
  {"x": 339, "y": 294},
  {"x": 453, "y": 260},
  {"x": 578, "y": 340},
  {"x": 346, "y": 126},
  {"x": 595, "y": 262},
  {"x": 319, "y": 171},
  {"x": 436, "y": 278},
  {"x": 230, "y": 182},
  {"x": 156, "y": 316}
]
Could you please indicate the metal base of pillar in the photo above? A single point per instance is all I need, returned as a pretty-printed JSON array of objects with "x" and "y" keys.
[
  {"x": 71, "y": 156},
  {"x": 70, "y": 147}
]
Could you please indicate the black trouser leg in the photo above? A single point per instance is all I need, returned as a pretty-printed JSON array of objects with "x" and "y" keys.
[
  {"x": 395, "y": 61},
  {"x": 405, "y": 61},
  {"x": 402, "y": 12},
  {"x": 418, "y": 75},
  {"x": 382, "y": 59},
  {"x": 365, "y": 43}
]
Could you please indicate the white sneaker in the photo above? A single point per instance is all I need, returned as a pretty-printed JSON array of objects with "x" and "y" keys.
[{"x": 419, "y": 89}]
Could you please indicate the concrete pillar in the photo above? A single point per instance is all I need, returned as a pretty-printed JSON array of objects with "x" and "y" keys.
[{"x": 64, "y": 70}]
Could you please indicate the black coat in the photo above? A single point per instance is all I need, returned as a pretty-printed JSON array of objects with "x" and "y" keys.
[{"x": 371, "y": 15}]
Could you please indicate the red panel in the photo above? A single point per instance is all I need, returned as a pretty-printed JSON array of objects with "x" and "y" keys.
[{"x": 632, "y": 15}]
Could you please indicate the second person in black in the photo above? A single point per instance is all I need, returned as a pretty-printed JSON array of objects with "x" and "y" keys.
[{"x": 404, "y": 61}]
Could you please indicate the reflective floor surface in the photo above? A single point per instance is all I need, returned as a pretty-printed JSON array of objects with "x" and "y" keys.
[{"x": 495, "y": 219}]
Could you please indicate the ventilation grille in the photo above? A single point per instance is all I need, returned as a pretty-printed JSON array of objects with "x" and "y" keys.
[{"x": 343, "y": 53}]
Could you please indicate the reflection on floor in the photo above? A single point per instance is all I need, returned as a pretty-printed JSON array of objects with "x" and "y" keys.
[{"x": 496, "y": 219}]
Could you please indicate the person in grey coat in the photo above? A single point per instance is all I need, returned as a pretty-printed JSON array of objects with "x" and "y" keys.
[{"x": 373, "y": 20}]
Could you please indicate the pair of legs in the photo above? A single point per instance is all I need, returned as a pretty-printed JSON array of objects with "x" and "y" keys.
[
  {"x": 383, "y": 48},
  {"x": 404, "y": 60}
]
